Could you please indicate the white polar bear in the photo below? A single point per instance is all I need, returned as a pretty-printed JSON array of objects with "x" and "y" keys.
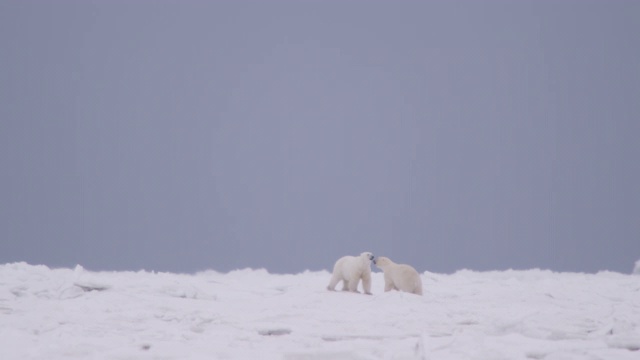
[
  {"x": 352, "y": 269},
  {"x": 399, "y": 276}
]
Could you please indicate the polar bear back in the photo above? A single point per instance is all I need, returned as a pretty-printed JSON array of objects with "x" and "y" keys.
[{"x": 351, "y": 266}]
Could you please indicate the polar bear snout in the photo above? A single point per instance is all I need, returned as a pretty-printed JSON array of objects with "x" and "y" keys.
[
  {"x": 374, "y": 260},
  {"x": 371, "y": 258}
]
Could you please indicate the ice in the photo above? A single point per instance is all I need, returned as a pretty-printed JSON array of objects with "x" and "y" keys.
[{"x": 252, "y": 314}]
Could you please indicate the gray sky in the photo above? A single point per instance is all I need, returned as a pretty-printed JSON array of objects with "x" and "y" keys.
[{"x": 181, "y": 136}]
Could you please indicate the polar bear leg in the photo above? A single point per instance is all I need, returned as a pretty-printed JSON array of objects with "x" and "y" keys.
[
  {"x": 366, "y": 283},
  {"x": 388, "y": 283},
  {"x": 388, "y": 286},
  {"x": 353, "y": 284},
  {"x": 418, "y": 289},
  {"x": 335, "y": 278},
  {"x": 345, "y": 285}
]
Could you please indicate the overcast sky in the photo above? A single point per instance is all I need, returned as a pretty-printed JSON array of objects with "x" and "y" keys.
[{"x": 184, "y": 135}]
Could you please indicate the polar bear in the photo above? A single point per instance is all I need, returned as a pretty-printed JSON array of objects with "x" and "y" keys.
[
  {"x": 352, "y": 269},
  {"x": 399, "y": 276}
]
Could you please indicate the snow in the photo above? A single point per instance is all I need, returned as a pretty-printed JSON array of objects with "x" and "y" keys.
[{"x": 251, "y": 314}]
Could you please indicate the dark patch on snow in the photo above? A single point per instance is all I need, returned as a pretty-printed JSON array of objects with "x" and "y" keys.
[
  {"x": 274, "y": 332},
  {"x": 332, "y": 338},
  {"x": 91, "y": 287}
]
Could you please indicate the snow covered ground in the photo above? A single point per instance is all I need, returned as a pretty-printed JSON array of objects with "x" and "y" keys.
[{"x": 251, "y": 314}]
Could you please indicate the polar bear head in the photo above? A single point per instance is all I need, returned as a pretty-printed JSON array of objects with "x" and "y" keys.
[
  {"x": 366, "y": 256},
  {"x": 382, "y": 261}
]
